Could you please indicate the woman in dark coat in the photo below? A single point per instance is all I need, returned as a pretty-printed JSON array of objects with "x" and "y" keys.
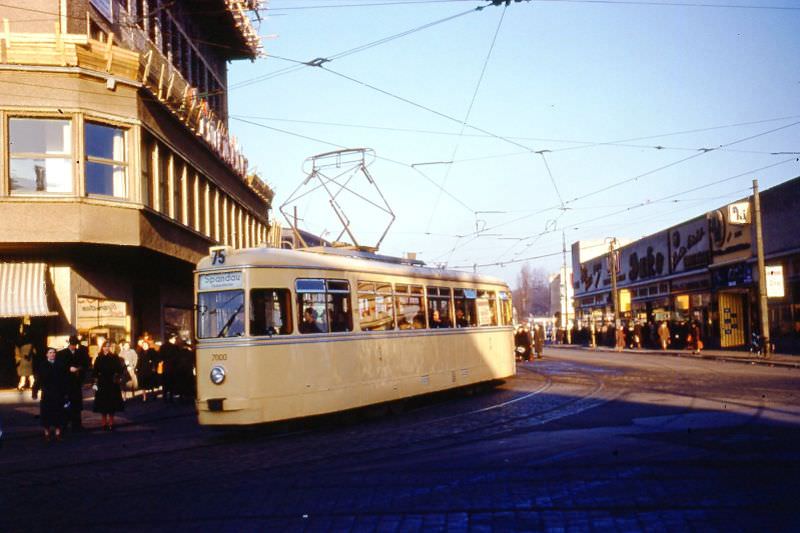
[
  {"x": 52, "y": 382},
  {"x": 109, "y": 372},
  {"x": 146, "y": 368}
]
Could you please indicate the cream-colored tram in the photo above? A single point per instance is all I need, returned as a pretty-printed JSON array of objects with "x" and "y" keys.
[{"x": 284, "y": 334}]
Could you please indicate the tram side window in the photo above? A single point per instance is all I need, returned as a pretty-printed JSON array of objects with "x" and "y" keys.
[
  {"x": 506, "y": 314},
  {"x": 324, "y": 305},
  {"x": 311, "y": 306},
  {"x": 466, "y": 314},
  {"x": 410, "y": 310},
  {"x": 220, "y": 314},
  {"x": 340, "y": 316},
  {"x": 487, "y": 308},
  {"x": 375, "y": 306},
  {"x": 439, "y": 307},
  {"x": 270, "y": 312}
]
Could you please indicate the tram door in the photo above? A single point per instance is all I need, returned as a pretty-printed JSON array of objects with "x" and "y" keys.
[{"x": 731, "y": 320}]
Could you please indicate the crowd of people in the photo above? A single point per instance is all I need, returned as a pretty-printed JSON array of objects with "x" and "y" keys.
[
  {"x": 118, "y": 370},
  {"x": 634, "y": 334}
]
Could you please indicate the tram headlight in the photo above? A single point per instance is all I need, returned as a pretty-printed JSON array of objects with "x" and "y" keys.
[{"x": 217, "y": 375}]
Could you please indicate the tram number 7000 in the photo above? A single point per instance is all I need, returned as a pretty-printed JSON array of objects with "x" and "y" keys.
[{"x": 219, "y": 357}]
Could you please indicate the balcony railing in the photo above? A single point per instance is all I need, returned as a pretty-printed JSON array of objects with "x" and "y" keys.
[{"x": 150, "y": 68}]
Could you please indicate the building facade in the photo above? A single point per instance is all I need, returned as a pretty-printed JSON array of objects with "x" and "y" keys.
[
  {"x": 118, "y": 171},
  {"x": 703, "y": 270}
]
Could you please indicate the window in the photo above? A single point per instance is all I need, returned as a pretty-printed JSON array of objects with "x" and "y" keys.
[
  {"x": 220, "y": 314},
  {"x": 375, "y": 309},
  {"x": 340, "y": 316},
  {"x": 464, "y": 300},
  {"x": 506, "y": 313},
  {"x": 40, "y": 155},
  {"x": 163, "y": 179},
  {"x": 270, "y": 312},
  {"x": 408, "y": 300},
  {"x": 106, "y": 167},
  {"x": 439, "y": 307},
  {"x": 323, "y": 305},
  {"x": 148, "y": 157},
  {"x": 487, "y": 308}
]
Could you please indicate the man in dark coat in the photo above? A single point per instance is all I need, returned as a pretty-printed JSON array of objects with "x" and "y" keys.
[
  {"x": 522, "y": 343},
  {"x": 76, "y": 359}
]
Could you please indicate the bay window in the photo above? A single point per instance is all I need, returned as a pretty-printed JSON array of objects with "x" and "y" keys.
[
  {"x": 106, "y": 165},
  {"x": 40, "y": 155}
]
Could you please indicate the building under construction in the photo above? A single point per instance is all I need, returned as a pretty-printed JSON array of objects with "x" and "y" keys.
[{"x": 118, "y": 167}]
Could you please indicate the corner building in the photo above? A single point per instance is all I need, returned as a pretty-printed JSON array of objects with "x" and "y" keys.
[{"x": 118, "y": 171}]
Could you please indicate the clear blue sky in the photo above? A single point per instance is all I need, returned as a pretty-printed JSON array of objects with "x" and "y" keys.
[{"x": 567, "y": 77}]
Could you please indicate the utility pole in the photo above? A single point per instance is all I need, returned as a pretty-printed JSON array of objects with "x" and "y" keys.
[
  {"x": 762, "y": 273},
  {"x": 612, "y": 262},
  {"x": 567, "y": 334}
]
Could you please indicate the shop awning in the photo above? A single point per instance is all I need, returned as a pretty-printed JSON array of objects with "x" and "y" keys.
[{"x": 23, "y": 290}]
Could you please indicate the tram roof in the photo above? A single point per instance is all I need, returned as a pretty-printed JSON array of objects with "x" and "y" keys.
[{"x": 337, "y": 259}]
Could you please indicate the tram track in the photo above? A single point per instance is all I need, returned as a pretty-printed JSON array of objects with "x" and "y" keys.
[{"x": 296, "y": 460}]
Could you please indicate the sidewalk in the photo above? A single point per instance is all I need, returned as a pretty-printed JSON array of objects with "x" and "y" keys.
[
  {"x": 19, "y": 413},
  {"x": 775, "y": 360}
]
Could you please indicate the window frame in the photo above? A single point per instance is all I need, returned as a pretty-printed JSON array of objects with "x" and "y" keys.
[
  {"x": 286, "y": 312},
  {"x": 67, "y": 156},
  {"x": 434, "y": 295},
  {"x": 124, "y": 163},
  {"x": 375, "y": 289},
  {"x": 326, "y": 288}
]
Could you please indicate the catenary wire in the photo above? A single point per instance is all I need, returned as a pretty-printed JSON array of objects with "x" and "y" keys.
[{"x": 467, "y": 116}]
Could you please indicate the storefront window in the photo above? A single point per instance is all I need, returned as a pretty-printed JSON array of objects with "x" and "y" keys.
[
  {"x": 106, "y": 166},
  {"x": 40, "y": 158},
  {"x": 101, "y": 320}
]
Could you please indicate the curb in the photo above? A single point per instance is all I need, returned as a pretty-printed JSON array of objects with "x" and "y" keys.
[{"x": 706, "y": 356}]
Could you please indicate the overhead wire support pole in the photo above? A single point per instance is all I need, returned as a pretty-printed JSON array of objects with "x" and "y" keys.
[
  {"x": 763, "y": 310},
  {"x": 566, "y": 287}
]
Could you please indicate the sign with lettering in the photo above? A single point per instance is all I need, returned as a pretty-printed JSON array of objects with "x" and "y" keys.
[
  {"x": 739, "y": 213},
  {"x": 593, "y": 275},
  {"x": 775, "y": 281},
  {"x": 689, "y": 246},
  {"x": 220, "y": 281},
  {"x": 645, "y": 259},
  {"x": 730, "y": 237}
]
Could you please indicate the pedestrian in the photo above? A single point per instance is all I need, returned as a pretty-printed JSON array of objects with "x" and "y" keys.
[
  {"x": 522, "y": 343},
  {"x": 53, "y": 384},
  {"x": 637, "y": 335},
  {"x": 538, "y": 340},
  {"x": 664, "y": 335},
  {"x": 620, "y": 338},
  {"x": 78, "y": 363},
  {"x": 146, "y": 367},
  {"x": 592, "y": 335},
  {"x": 168, "y": 357},
  {"x": 130, "y": 357},
  {"x": 694, "y": 340},
  {"x": 24, "y": 354},
  {"x": 109, "y": 372}
]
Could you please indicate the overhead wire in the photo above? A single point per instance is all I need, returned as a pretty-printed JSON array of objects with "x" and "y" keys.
[{"x": 468, "y": 113}]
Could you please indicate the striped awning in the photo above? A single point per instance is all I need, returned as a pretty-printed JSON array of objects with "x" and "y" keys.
[{"x": 23, "y": 290}]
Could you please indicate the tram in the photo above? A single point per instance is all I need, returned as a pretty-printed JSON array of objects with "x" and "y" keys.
[{"x": 284, "y": 334}]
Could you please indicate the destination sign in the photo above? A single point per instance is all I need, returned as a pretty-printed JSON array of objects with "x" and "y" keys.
[{"x": 220, "y": 281}]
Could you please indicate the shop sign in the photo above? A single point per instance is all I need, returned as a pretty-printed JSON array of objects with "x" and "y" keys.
[
  {"x": 220, "y": 281},
  {"x": 689, "y": 246},
  {"x": 739, "y": 213},
  {"x": 645, "y": 259},
  {"x": 730, "y": 237},
  {"x": 593, "y": 275},
  {"x": 95, "y": 312},
  {"x": 775, "y": 281},
  {"x": 738, "y": 275}
]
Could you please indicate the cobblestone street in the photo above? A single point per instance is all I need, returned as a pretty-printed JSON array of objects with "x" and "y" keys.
[{"x": 579, "y": 441}]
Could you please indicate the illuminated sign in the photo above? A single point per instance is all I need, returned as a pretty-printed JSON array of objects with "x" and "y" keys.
[
  {"x": 739, "y": 213},
  {"x": 775, "y": 281}
]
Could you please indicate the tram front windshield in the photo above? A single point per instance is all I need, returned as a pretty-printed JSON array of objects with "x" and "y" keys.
[{"x": 220, "y": 314}]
